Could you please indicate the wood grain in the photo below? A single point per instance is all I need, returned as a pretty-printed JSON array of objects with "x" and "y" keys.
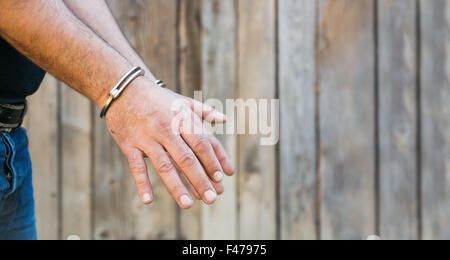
[
  {"x": 113, "y": 189},
  {"x": 347, "y": 119},
  {"x": 115, "y": 201},
  {"x": 189, "y": 80},
  {"x": 220, "y": 221},
  {"x": 245, "y": 49},
  {"x": 189, "y": 28},
  {"x": 154, "y": 38},
  {"x": 398, "y": 119},
  {"x": 76, "y": 164},
  {"x": 297, "y": 95},
  {"x": 43, "y": 135},
  {"x": 256, "y": 80},
  {"x": 435, "y": 96}
]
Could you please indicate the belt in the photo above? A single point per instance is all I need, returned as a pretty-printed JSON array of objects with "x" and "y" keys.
[{"x": 11, "y": 116}]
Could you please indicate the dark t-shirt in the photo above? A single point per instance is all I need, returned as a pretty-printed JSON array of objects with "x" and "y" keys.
[{"x": 19, "y": 77}]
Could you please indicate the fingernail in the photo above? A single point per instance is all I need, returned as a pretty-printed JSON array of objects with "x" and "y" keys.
[
  {"x": 210, "y": 196},
  {"x": 185, "y": 201},
  {"x": 221, "y": 116},
  {"x": 147, "y": 198},
  {"x": 218, "y": 177}
]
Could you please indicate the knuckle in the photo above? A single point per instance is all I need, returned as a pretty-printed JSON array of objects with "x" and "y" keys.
[
  {"x": 187, "y": 160},
  {"x": 201, "y": 144},
  {"x": 138, "y": 168},
  {"x": 160, "y": 121},
  {"x": 165, "y": 167},
  {"x": 213, "y": 144},
  {"x": 202, "y": 185},
  {"x": 163, "y": 125},
  {"x": 141, "y": 180},
  {"x": 142, "y": 186},
  {"x": 177, "y": 191}
]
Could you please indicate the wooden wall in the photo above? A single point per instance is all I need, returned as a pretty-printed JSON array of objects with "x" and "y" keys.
[{"x": 364, "y": 87}]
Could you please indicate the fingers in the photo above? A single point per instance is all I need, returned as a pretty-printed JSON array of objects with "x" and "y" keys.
[
  {"x": 169, "y": 175},
  {"x": 222, "y": 156},
  {"x": 207, "y": 113},
  {"x": 219, "y": 188},
  {"x": 138, "y": 169},
  {"x": 189, "y": 164},
  {"x": 191, "y": 187},
  {"x": 198, "y": 141}
]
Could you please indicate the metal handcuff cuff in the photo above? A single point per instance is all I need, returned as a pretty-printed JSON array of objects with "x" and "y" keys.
[{"x": 122, "y": 84}]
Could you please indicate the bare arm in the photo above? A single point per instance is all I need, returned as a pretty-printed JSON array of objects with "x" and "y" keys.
[
  {"x": 97, "y": 15},
  {"x": 48, "y": 33},
  {"x": 52, "y": 37}
]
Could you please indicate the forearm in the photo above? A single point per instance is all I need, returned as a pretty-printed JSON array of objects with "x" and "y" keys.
[
  {"x": 97, "y": 15},
  {"x": 49, "y": 34},
  {"x": 141, "y": 120}
]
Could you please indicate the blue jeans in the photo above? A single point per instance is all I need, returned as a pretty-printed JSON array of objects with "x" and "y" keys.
[{"x": 17, "y": 220}]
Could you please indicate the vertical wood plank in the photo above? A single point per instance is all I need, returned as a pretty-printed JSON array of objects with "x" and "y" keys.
[
  {"x": 76, "y": 164},
  {"x": 297, "y": 95},
  {"x": 219, "y": 81},
  {"x": 398, "y": 119},
  {"x": 42, "y": 125},
  {"x": 347, "y": 118},
  {"x": 435, "y": 90},
  {"x": 113, "y": 193},
  {"x": 113, "y": 198},
  {"x": 257, "y": 79},
  {"x": 190, "y": 71},
  {"x": 154, "y": 37},
  {"x": 189, "y": 79}
]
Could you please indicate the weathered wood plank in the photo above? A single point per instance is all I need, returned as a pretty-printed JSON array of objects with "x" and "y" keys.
[
  {"x": 256, "y": 79},
  {"x": 113, "y": 203},
  {"x": 42, "y": 125},
  {"x": 435, "y": 96},
  {"x": 76, "y": 164},
  {"x": 154, "y": 37},
  {"x": 189, "y": 51},
  {"x": 113, "y": 194},
  {"x": 219, "y": 82},
  {"x": 398, "y": 119},
  {"x": 208, "y": 58},
  {"x": 297, "y": 95},
  {"x": 190, "y": 27},
  {"x": 347, "y": 118}
]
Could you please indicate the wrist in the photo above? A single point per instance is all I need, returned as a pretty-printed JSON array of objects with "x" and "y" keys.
[
  {"x": 140, "y": 62},
  {"x": 116, "y": 85},
  {"x": 120, "y": 86},
  {"x": 136, "y": 90},
  {"x": 115, "y": 93}
]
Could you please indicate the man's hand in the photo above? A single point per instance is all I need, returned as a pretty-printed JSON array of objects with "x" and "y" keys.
[
  {"x": 142, "y": 120},
  {"x": 49, "y": 34},
  {"x": 98, "y": 17}
]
